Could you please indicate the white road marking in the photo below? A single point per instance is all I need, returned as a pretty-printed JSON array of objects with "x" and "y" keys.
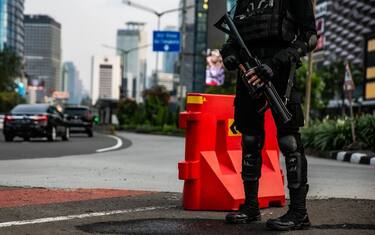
[
  {"x": 118, "y": 145},
  {"x": 81, "y": 216}
]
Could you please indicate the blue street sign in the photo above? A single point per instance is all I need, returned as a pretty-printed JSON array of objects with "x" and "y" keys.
[{"x": 166, "y": 41}]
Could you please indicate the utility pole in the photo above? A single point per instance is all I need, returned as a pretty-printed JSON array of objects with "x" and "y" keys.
[
  {"x": 182, "y": 54},
  {"x": 309, "y": 81}
]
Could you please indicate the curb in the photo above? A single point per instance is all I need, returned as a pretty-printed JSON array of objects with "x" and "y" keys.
[{"x": 354, "y": 157}]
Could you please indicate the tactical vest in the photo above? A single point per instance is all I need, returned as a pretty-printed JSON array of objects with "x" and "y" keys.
[{"x": 264, "y": 20}]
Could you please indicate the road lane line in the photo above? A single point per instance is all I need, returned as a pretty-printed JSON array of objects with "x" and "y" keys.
[
  {"x": 118, "y": 145},
  {"x": 81, "y": 216}
]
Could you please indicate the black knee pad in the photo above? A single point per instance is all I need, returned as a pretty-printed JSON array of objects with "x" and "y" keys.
[
  {"x": 252, "y": 143},
  {"x": 296, "y": 164},
  {"x": 288, "y": 144},
  {"x": 252, "y": 157}
]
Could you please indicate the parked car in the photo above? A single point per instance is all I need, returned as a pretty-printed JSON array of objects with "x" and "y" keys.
[
  {"x": 35, "y": 120},
  {"x": 80, "y": 119}
]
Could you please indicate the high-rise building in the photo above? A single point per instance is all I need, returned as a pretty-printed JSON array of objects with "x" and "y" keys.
[
  {"x": 199, "y": 34},
  {"x": 43, "y": 51},
  {"x": 71, "y": 83},
  {"x": 12, "y": 26},
  {"x": 170, "y": 58},
  {"x": 131, "y": 43},
  {"x": 342, "y": 26},
  {"x": 105, "y": 78},
  {"x": 3, "y": 23}
]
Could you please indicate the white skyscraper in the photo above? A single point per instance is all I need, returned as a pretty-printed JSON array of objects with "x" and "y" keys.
[
  {"x": 105, "y": 77},
  {"x": 132, "y": 41}
]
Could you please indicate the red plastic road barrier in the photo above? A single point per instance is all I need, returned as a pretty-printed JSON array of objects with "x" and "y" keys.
[{"x": 212, "y": 166}]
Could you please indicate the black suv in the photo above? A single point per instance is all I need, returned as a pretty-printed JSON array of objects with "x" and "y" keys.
[
  {"x": 35, "y": 120},
  {"x": 80, "y": 120}
]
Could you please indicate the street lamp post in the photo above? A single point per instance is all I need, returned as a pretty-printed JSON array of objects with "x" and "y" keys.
[
  {"x": 158, "y": 14},
  {"x": 124, "y": 54}
]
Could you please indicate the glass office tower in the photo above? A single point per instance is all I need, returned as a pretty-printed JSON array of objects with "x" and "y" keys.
[
  {"x": 11, "y": 25},
  {"x": 3, "y": 23}
]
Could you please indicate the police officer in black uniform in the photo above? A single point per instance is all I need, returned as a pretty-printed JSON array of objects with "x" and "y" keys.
[{"x": 279, "y": 33}]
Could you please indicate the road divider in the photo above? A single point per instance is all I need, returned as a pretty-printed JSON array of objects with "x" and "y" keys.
[{"x": 117, "y": 146}]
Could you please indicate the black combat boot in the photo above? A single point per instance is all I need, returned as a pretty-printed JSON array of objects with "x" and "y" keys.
[
  {"x": 249, "y": 211},
  {"x": 296, "y": 217}
]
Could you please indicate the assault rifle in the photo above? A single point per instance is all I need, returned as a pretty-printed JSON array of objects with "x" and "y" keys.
[{"x": 268, "y": 90}]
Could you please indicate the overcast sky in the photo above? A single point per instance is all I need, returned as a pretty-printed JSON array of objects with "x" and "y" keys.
[{"x": 87, "y": 24}]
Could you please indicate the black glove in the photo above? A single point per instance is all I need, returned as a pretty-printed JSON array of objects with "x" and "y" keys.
[
  {"x": 231, "y": 62},
  {"x": 264, "y": 72}
]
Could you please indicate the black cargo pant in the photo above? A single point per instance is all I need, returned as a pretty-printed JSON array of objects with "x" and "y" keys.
[{"x": 251, "y": 124}]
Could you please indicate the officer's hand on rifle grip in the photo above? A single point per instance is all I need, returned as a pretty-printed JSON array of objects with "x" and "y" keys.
[
  {"x": 252, "y": 78},
  {"x": 259, "y": 75}
]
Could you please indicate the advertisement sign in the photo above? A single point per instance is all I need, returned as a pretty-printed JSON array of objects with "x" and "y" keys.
[
  {"x": 320, "y": 43},
  {"x": 321, "y": 9},
  {"x": 215, "y": 69},
  {"x": 166, "y": 41},
  {"x": 369, "y": 67},
  {"x": 320, "y": 26}
]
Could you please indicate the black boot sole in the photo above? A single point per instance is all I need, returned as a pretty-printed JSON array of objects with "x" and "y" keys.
[
  {"x": 243, "y": 221},
  {"x": 278, "y": 227}
]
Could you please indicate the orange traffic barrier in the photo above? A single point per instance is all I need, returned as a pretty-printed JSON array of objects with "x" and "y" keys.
[{"x": 212, "y": 166}]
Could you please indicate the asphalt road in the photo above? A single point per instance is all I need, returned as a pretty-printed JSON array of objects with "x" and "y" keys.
[
  {"x": 161, "y": 213},
  {"x": 150, "y": 164},
  {"x": 41, "y": 148}
]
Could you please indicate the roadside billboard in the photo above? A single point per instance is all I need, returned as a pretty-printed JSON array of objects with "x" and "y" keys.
[
  {"x": 214, "y": 69},
  {"x": 369, "y": 67}
]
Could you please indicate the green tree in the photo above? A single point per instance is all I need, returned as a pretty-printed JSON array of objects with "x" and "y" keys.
[
  {"x": 333, "y": 76},
  {"x": 318, "y": 86},
  {"x": 10, "y": 68},
  {"x": 156, "y": 100},
  {"x": 127, "y": 109},
  {"x": 8, "y": 100}
]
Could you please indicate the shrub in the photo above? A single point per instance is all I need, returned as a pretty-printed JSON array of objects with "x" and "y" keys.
[
  {"x": 155, "y": 115},
  {"x": 366, "y": 130},
  {"x": 335, "y": 134}
]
